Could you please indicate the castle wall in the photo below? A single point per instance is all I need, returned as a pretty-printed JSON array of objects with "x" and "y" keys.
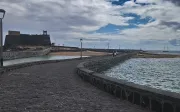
[
  {"x": 24, "y": 39},
  {"x": 24, "y": 54}
]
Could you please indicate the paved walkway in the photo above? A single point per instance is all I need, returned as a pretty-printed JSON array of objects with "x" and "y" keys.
[{"x": 55, "y": 87}]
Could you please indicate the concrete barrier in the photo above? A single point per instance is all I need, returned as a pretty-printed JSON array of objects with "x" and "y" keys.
[
  {"x": 23, "y": 65},
  {"x": 150, "y": 98},
  {"x": 24, "y": 54},
  {"x": 27, "y": 64}
]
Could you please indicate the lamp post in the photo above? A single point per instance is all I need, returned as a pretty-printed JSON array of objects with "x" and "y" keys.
[
  {"x": 81, "y": 46},
  {"x": 108, "y": 45},
  {"x": 2, "y": 11}
]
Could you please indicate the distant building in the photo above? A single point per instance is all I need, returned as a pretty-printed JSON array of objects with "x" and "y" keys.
[
  {"x": 15, "y": 38},
  {"x": 14, "y": 33}
]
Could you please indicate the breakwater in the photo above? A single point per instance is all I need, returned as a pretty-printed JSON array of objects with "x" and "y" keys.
[
  {"x": 24, "y": 54},
  {"x": 153, "y": 99}
]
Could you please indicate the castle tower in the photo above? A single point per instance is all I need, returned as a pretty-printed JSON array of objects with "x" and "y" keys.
[{"x": 44, "y": 32}]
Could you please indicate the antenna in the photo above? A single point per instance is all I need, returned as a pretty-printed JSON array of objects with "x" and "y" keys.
[
  {"x": 108, "y": 45},
  {"x": 167, "y": 48}
]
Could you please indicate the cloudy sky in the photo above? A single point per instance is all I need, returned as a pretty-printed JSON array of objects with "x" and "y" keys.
[{"x": 145, "y": 24}]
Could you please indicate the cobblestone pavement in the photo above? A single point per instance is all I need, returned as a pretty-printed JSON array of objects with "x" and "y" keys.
[{"x": 55, "y": 88}]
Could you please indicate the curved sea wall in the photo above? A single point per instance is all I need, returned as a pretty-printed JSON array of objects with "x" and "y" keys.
[
  {"x": 24, "y": 54},
  {"x": 150, "y": 98}
]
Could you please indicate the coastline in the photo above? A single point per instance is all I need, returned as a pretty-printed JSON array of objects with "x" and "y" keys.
[
  {"x": 150, "y": 55},
  {"x": 93, "y": 53}
]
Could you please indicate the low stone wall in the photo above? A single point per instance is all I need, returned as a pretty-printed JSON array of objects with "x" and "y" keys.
[
  {"x": 23, "y": 65},
  {"x": 24, "y": 54},
  {"x": 150, "y": 98},
  {"x": 105, "y": 63}
]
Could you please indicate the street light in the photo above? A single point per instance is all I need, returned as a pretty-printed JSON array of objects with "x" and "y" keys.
[
  {"x": 2, "y": 11},
  {"x": 81, "y": 46}
]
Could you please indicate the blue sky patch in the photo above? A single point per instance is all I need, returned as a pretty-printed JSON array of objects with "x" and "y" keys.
[
  {"x": 137, "y": 20},
  {"x": 111, "y": 28},
  {"x": 120, "y": 2},
  {"x": 133, "y": 23}
]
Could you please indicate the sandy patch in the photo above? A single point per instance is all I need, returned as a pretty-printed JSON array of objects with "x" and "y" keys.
[{"x": 85, "y": 53}]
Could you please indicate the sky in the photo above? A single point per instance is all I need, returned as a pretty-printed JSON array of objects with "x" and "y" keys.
[{"x": 128, "y": 24}]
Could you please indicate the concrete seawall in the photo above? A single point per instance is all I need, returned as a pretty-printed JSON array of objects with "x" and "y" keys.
[
  {"x": 150, "y": 98},
  {"x": 24, "y": 54}
]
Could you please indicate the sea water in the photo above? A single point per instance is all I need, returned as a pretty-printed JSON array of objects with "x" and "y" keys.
[{"x": 157, "y": 73}]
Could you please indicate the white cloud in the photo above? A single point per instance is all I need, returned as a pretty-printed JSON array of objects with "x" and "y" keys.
[
  {"x": 162, "y": 12},
  {"x": 72, "y": 19},
  {"x": 60, "y": 16},
  {"x": 156, "y": 32},
  {"x": 130, "y": 3},
  {"x": 146, "y": 1},
  {"x": 65, "y": 14}
]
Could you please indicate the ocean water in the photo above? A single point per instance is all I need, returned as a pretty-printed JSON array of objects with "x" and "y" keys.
[
  {"x": 161, "y": 52},
  {"x": 157, "y": 73}
]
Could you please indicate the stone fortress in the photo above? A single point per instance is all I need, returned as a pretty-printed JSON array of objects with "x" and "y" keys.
[
  {"x": 19, "y": 45},
  {"x": 15, "y": 38}
]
